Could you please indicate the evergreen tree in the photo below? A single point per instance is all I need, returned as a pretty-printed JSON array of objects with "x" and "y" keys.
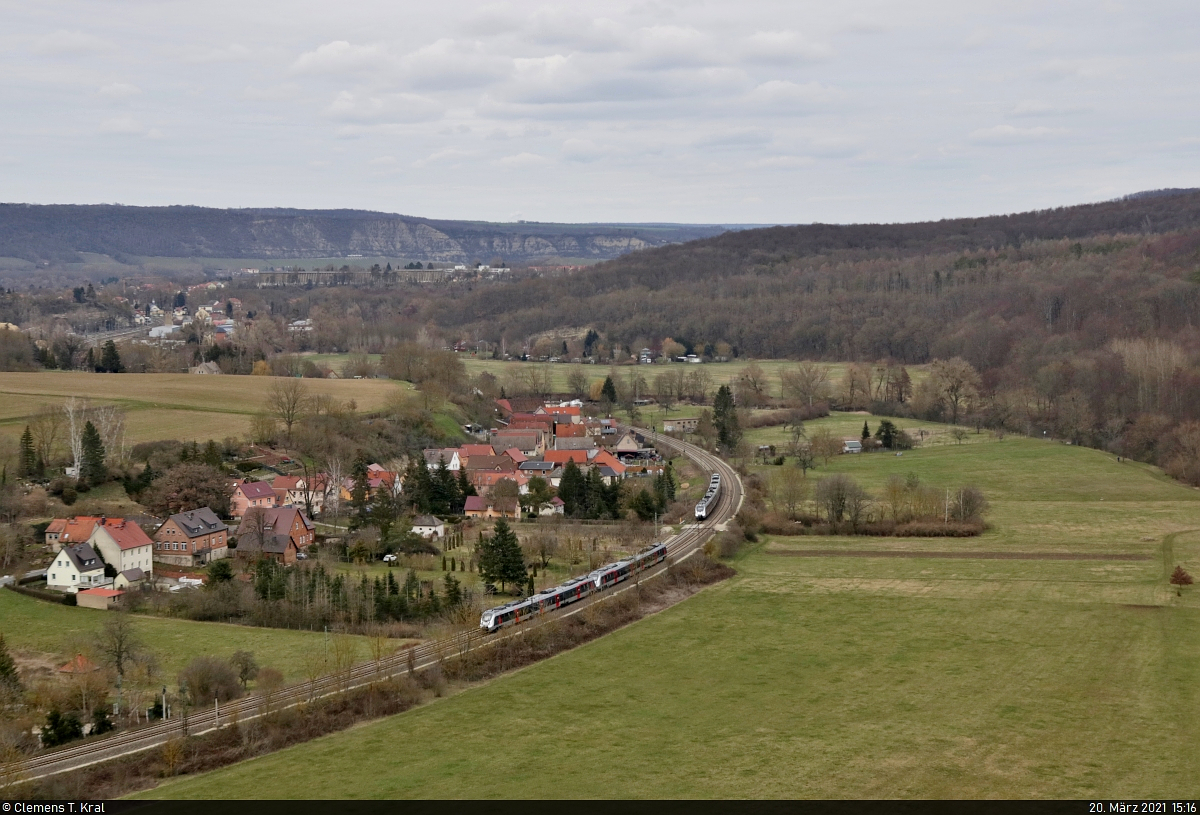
[
  {"x": 465, "y": 488},
  {"x": 383, "y": 513},
  {"x": 27, "y": 460},
  {"x": 212, "y": 454},
  {"x": 110, "y": 359},
  {"x": 725, "y": 418},
  {"x": 92, "y": 469},
  {"x": 500, "y": 557},
  {"x": 453, "y": 591},
  {"x": 443, "y": 490},
  {"x": 359, "y": 517},
  {"x": 571, "y": 489},
  {"x": 886, "y": 433},
  {"x": 866, "y": 434},
  {"x": 608, "y": 392},
  {"x": 595, "y": 500},
  {"x": 61, "y": 728},
  {"x": 89, "y": 362},
  {"x": 9, "y": 678}
]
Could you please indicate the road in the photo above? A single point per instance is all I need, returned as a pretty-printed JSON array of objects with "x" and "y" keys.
[{"x": 690, "y": 539}]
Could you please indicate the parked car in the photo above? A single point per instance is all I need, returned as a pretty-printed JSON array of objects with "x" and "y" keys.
[{"x": 390, "y": 558}]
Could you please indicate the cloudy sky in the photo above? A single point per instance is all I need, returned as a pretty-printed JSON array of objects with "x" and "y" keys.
[{"x": 713, "y": 112}]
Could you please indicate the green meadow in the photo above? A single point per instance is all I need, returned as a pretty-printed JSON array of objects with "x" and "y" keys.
[{"x": 1048, "y": 658}]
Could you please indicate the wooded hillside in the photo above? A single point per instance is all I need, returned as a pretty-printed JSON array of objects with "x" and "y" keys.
[{"x": 58, "y": 233}]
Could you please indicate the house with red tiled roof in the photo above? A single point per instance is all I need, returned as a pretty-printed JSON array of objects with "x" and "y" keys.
[
  {"x": 571, "y": 431},
  {"x": 484, "y": 481},
  {"x": 123, "y": 545},
  {"x": 561, "y": 457},
  {"x": 467, "y": 450},
  {"x": 478, "y": 506},
  {"x": 251, "y": 495},
  {"x": 516, "y": 455},
  {"x": 74, "y": 530},
  {"x": 529, "y": 442},
  {"x": 282, "y": 484},
  {"x": 56, "y": 528},
  {"x": 278, "y": 533},
  {"x": 573, "y": 413},
  {"x": 102, "y": 599}
]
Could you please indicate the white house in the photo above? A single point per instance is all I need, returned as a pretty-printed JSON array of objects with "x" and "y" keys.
[
  {"x": 123, "y": 545},
  {"x": 428, "y": 526},
  {"x": 75, "y": 567},
  {"x": 852, "y": 446}
]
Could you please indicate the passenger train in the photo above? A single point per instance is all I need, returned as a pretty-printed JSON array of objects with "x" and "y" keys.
[
  {"x": 709, "y": 501},
  {"x": 572, "y": 591}
]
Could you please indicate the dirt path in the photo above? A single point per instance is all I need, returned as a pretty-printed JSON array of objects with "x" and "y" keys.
[{"x": 915, "y": 553}]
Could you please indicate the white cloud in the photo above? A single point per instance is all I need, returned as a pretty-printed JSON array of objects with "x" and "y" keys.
[
  {"x": 119, "y": 90},
  {"x": 444, "y": 156},
  {"x": 234, "y": 52},
  {"x": 71, "y": 42},
  {"x": 122, "y": 125},
  {"x": 349, "y": 106},
  {"x": 339, "y": 57},
  {"x": 782, "y": 93},
  {"x": 1008, "y": 133},
  {"x": 522, "y": 160},
  {"x": 782, "y": 47}
]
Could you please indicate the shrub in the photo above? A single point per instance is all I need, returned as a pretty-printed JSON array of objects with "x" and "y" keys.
[
  {"x": 208, "y": 678},
  {"x": 68, "y": 495}
]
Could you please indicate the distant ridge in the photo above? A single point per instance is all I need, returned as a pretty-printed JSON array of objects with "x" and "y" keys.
[{"x": 59, "y": 232}]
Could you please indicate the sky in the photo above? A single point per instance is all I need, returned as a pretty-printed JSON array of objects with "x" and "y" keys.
[{"x": 691, "y": 112}]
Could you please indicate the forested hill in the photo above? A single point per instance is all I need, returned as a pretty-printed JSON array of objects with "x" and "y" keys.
[
  {"x": 59, "y": 232},
  {"x": 911, "y": 292}
]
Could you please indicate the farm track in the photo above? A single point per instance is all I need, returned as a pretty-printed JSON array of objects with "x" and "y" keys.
[
  {"x": 916, "y": 553},
  {"x": 679, "y": 547}
]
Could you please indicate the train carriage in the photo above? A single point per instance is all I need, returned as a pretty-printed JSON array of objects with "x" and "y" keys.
[{"x": 709, "y": 501}]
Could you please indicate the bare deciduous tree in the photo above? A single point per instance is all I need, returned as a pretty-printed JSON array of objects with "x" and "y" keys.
[{"x": 287, "y": 401}]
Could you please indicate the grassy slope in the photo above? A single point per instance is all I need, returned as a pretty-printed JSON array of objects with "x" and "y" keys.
[
  {"x": 839, "y": 677},
  {"x": 38, "y": 628},
  {"x": 162, "y": 406}
]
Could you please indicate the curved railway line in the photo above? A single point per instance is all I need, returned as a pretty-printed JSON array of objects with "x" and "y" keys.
[{"x": 679, "y": 547}]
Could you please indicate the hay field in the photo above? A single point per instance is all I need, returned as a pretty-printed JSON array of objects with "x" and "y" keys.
[{"x": 168, "y": 406}]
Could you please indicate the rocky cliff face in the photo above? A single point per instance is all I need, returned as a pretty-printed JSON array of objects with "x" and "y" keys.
[{"x": 58, "y": 232}]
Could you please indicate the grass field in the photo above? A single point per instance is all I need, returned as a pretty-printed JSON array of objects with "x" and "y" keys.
[
  {"x": 847, "y": 677},
  {"x": 40, "y": 630},
  {"x": 168, "y": 406}
]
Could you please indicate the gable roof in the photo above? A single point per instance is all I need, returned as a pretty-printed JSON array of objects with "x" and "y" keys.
[
  {"x": 570, "y": 431},
  {"x": 102, "y": 592},
  {"x": 198, "y": 522},
  {"x": 499, "y": 464},
  {"x": 256, "y": 489},
  {"x": 470, "y": 450},
  {"x": 79, "y": 529},
  {"x": 516, "y": 455},
  {"x": 563, "y": 456},
  {"x": 125, "y": 534},
  {"x": 56, "y": 526},
  {"x": 537, "y": 466},
  {"x": 83, "y": 557},
  {"x": 474, "y": 503},
  {"x": 572, "y": 443},
  {"x": 286, "y": 482},
  {"x": 133, "y": 575},
  {"x": 426, "y": 520}
]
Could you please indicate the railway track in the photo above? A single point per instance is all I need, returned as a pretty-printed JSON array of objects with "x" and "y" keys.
[{"x": 680, "y": 546}]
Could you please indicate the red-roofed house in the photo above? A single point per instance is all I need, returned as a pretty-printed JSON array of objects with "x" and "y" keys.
[
  {"x": 516, "y": 455},
  {"x": 123, "y": 545},
  {"x": 561, "y": 457},
  {"x": 480, "y": 507},
  {"x": 504, "y": 407},
  {"x": 97, "y": 598},
  {"x": 467, "y": 450},
  {"x": 279, "y": 534},
  {"x": 282, "y": 484},
  {"x": 570, "y": 431},
  {"x": 56, "y": 528},
  {"x": 484, "y": 480},
  {"x": 251, "y": 494},
  {"x": 74, "y": 530}
]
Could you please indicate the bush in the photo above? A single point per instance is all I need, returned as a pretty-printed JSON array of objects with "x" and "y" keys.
[
  {"x": 61, "y": 728},
  {"x": 68, "y": 495},
  {"x": 208, "y": 678}
]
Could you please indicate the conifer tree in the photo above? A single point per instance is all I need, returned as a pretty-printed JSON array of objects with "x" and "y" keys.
[
  {"x": 91, "y": 468},
  {"x": 866, "y": 434},
  {"x": 9, "y": 678},
  {"x": 725, "y": 418},
  {"x": 110, "y": 359},
  {"x": 359, "y": 517},
  {"x": 571, "y": 489},
  {"x": 608, "y": 392},
  {"x": 27, "y": 459}
]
